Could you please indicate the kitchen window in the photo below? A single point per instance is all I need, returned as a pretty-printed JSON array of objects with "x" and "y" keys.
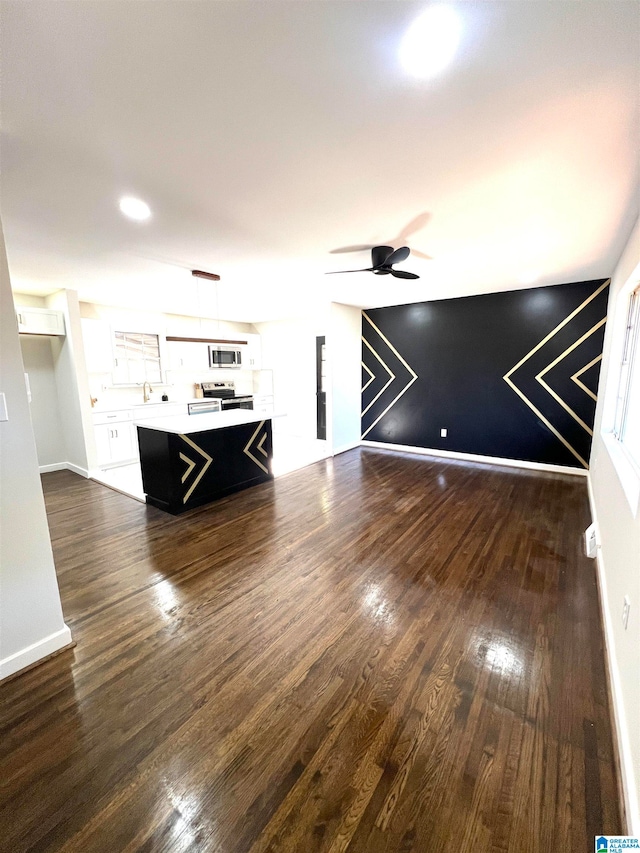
[{"x": 137, "y": 358}]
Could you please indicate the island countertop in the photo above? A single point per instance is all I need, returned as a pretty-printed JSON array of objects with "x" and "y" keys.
[{"x": 186, "y": 424}]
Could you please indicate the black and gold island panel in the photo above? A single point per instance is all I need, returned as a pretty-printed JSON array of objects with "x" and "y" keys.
[{"x": 190, "y": 461}]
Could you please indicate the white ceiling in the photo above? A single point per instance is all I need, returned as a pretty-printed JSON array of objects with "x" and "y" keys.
[{"x": 264, "y": 135}]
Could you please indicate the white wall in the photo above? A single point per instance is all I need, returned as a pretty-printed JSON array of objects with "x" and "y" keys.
[
  {"x": 72, "y": 384},
  {"x": 31, "y": 622},
  {"x": 618, "y": 523},
  {"x": 44, "y": 406},
  {"x": 289, "y": 349},
  {"x": 61, "y": 409},
  {"x": 344, "y": 348}
]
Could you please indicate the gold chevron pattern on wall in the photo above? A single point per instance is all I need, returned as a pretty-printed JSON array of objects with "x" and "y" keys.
[
  {"x": 255, "y": 443},
  {"x": 543, "y": 376},
  {"x": 395, "y": 381},
  {"x": 581, "y": 372},
  {"x": 204, "y": 461}
]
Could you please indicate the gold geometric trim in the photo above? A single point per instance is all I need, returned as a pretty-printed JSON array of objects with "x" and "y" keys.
[
  {"x": 557, "y": 361},
  {"x": 372, "y": 376},
  {"x": 558, "y": 327},
  {"x": 414, "y": 375},
  {"x": 584, "y": 370},
  {"x": 260, "y": 447},
  {"x": 208, "y": 461},
  {"x": 250, "y": 442},
  {"x": 191, "y": 465},
  {"x": 545, "y": 421},
  {"x": 389, "y": 381},
  {"x": 548, "y": 337}
]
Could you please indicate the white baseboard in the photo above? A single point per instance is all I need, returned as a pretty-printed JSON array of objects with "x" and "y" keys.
[
  {"x": 77, "y": 470},
  {"x": 64, "y": 466},
  {"x": 56, "y": 466},
  {"x": 35, "y": 652},
  {"x": 344, "y": 447},
  {"x": 621, "y": 739},
  {"x": 474, "y": 457}
]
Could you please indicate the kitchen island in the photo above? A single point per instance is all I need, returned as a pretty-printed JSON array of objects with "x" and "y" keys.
[{"x": 190, "y": 460}]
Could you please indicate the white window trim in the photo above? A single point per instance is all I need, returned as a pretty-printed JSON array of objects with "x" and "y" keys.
[
  {"x": 625, "y": 469},
  {"x": 630, "y": 351},
  {"x": 135, "y": 330},
  {"x": 625, "y": 465}
]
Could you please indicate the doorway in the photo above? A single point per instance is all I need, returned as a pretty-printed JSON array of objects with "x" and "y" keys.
[{"x": 321, "y": 388}]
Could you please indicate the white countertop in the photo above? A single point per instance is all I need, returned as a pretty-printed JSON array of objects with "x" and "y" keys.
[
  {"x": 185, "y": 424},
  {"x": 98, "y": 409}
]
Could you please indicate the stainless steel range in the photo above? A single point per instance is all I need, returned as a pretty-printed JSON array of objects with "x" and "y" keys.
[{"x": 226, "y": 393}]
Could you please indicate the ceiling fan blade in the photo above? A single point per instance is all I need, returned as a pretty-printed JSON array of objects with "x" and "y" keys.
[
  {"x": 359, "y": 248},
  {"x": 403, "y": 274},
  {"x": 341, "y": 272},
  {"x": 421, "y": 255},
  {"x": 399, "y": 255},
  {"x": 379, "y": 255},
  {"x": 416, "y": 224},
  {"x": 382, "y": 271}
]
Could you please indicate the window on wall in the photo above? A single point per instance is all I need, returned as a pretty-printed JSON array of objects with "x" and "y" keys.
[
  {"x": 137, "y": 358},
  {"x": 627, "y": 418}
]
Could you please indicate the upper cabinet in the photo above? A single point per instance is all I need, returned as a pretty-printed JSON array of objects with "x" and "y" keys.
[
  {"x": 252, "y": 355},
  {"x": 40, "y": 321},
  {"x": 193, "y": 355},
  {"x": 188, "y": 356}
]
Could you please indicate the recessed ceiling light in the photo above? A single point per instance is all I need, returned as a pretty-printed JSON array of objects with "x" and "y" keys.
[
  {"x": 529, "y": 277},
  {"x": 135, "y": 208},
  {"x": 431, "y": 41}
]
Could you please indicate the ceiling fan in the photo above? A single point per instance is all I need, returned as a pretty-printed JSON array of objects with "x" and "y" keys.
[{"x": 382, "y": 260}]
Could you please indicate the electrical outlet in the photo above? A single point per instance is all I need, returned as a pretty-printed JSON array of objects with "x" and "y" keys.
[
  {"x": 625, "y": 611},
  {"x": 443, "y": 433}
]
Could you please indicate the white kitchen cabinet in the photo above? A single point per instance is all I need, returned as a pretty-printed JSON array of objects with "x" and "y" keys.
[
  {"x": 114, "y": 443},
  {"x": 263, "y": 402},
  {"x": 114, "y": 437},
  {"x": 188, "y": 356},
  {"x": 40, "y": 321},
  {"x": 111, "y": 417},
  {"x": 121, "y": 442},
  {"x": 117, "y": 435},
  {"x": 252, "y": 355},
  {"x": 97, "y": 338}
]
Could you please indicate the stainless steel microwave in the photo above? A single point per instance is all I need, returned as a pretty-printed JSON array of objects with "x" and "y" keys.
[{"x": 224, "y": 357}]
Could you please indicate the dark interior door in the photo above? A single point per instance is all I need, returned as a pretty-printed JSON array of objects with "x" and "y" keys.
[{"x": 321, "y": 394}]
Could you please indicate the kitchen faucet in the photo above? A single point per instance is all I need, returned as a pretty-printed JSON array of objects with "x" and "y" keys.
[{"x": 146, "y": 396}]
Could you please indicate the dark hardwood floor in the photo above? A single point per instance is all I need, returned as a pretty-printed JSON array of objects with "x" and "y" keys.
[{"x": 382, "y": 652}]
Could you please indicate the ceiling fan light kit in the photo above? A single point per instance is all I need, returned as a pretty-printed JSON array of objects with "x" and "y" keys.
[{"x": 382, "y": 260}]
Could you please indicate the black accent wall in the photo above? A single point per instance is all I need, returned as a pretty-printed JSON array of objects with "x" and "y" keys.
[{"x": 511, "y": 375}]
